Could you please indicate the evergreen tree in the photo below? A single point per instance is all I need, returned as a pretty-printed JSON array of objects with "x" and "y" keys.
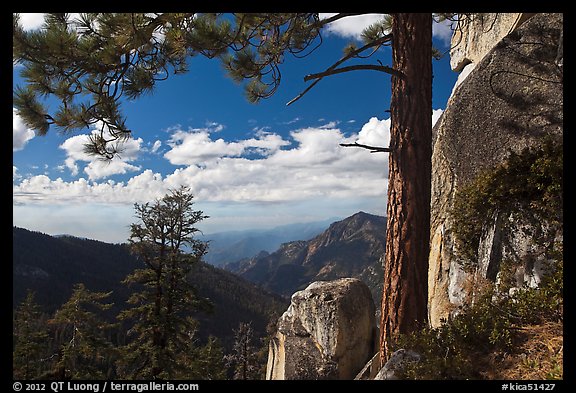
[
  {"x": 162, "y": 330},
  {"x": 29, "y": 339},
  {"x": 208, "y": 361},
  {"x": 244, "y": 356},
  {"x": 84, "y": 350}
]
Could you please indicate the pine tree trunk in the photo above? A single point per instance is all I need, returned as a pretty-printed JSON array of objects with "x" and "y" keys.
[{"x": 404, "y": 300}]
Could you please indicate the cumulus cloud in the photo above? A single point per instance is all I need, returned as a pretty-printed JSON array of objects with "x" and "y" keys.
[
  {"x": 351, "y": 26},
  {"x": 314, "y": 165},
  {"x": 436, "y": 113},
  {"x": 375, "y": 133},
  {"x": 20, "y": 133},
  {"x": 307, "y": 170},
  {"x": 196, "y": 146},
  {"x": 156, "y": 146},
  {"x": 310, "y": 164},
  {"x": 31, "y": 21},
  {"x": 443, "y": 31},
  {"x": 96, "y": 167}
]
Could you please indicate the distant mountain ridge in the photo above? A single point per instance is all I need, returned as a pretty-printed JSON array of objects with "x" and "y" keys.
[
  {"x": 352, "y": 247},
  {"x": 50, "y": 266},
  {"x": 227, "y": 247}
]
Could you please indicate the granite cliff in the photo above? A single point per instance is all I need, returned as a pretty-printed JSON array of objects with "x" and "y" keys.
[{"x": 510, "y": 99}]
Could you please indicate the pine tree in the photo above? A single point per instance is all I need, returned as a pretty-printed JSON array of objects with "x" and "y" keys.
[
  {"x": 207, "y": 361},
  {"x": 84, "y": 349},
  {"x": 30, "y": 340},
  {"x": 162, "y": 329},
  {"x": 244, "y": 356}
]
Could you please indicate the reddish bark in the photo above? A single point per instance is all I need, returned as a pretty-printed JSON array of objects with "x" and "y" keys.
[{"x": 404, "y": 300}]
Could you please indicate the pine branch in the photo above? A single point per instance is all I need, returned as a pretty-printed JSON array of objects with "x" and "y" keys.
[{"x": 373, "y": 149}]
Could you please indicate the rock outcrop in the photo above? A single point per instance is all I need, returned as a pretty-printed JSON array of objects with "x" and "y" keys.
[
  {"x": 478, "y": 33},
  {"x": 509, "y": 101},
  {"x": 328, "y": 332}
]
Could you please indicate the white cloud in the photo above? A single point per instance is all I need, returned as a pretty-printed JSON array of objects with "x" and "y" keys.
[
  {"x": 351, "y": 26},
  {"x": 330, "y": 124},
  {"x": 443, "y": 31},
  {"x": 375, "y": 133},
  {"x": 196, "y": 146},
  {"x": 96, "y": 167},
  {"x": 315, "y": 165},
  {"x": 308, "y": 169},
  {"x": 20, "y": 133},
  {"x": 103, "y": 169},
  {"x": 31, "y": 21},
  {"x": 294, "y": 120},
  {"x": 436, "y": 113},
  {"x": 214, "y": 126},
  {"x": 156, "y": 146}
]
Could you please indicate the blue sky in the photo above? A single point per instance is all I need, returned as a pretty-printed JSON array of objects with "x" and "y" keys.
[{"x": 248, "y": 165}]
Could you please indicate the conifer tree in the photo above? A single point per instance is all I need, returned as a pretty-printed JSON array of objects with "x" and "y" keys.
[
  {"x": 30, "y": 340},
  {"x": 162, "y": 330},
  {"x": 84, "y": 349},
  {"x": 207, "y": 361},
  {"x": 244, "y": 356}
]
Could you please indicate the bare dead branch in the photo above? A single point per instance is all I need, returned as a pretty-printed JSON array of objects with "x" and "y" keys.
[
  {"x": 373, "y": 149},
  {"x": 334, "y": 18},
  {"x": 381, "y": 68},
  {"x": 381, "y": 41}
]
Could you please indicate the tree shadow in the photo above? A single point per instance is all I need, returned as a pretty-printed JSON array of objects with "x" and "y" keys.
[{"x": 532, "y": 89}]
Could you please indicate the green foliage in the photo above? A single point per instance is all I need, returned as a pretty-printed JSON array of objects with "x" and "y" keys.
[
  {"x": 488, "y": 325},
  {"x": 30, "y": 340},
  {"x": 545, "y": 303},
  {"x": 84, "y": 349},
  {"x": 377, "y": 30},
  {"x": 207, "y": 362},
  {"x": 78, "y": 343},
  {"x": 91, "y": 63},
  {"x": 162, "y": 333},
  {"x": 102, "y": 266},
  {"x": 529, "y": 185},
  {"x": 31, "y": 109}
]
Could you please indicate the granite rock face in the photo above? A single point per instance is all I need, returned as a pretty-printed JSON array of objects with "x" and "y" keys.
[
  {"x": 328, "y": 332},
  {"x": 510, "y": 100},
  {"x": 478, "y": 33}
]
